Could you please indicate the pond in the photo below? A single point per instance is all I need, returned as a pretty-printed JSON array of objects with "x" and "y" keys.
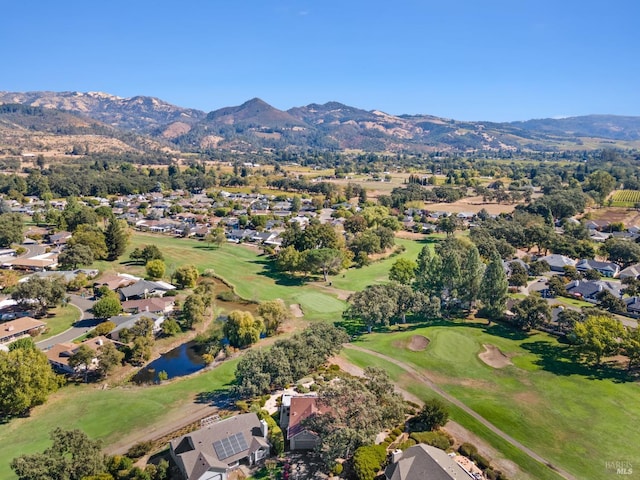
[{"x": 183, "y": 360}]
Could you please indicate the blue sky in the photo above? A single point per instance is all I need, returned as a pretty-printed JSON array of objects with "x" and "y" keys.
[{"x": 465, "y": 59}]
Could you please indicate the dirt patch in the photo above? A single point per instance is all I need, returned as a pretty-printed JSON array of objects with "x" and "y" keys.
[
  {"x": 418, "y": 343},
  {"x": 296, "y": 311},
  {"x": 493, "y": 357},
  {"x": 471, "y": 205}
]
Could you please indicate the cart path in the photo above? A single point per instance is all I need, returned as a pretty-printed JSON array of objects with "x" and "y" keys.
[{"x": 421, "y": 377}]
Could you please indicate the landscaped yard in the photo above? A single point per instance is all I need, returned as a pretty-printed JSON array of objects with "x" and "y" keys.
[{"x": 575, "y": 416}]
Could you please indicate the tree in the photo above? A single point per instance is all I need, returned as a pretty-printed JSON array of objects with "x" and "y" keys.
[
  {"x": 26, "y": 380},
  {"x": 375, "y": 305},
  {"x": 140, "y": 350},
  {"x": 449, "y": 224},
  {"x": 92, "y": 237},
  {"x": 193, "y": 310},
  {"x": 519, "y": 276},
  {"x": 108, "y": 306},
  {"x": 102, "y": 329},
  {"x": 116, "y": 237},
  {"x": 531, "y": 311},
  {"x": 155, "y": 268},
  {"x": 403, "y": 271},
  {"x": 73, "y": 456},
  {"x": 242, "y": 329},
  {"x": 216, "y": 237},
  {"x": 631, "y": 346},
  {"x": 433, "y": 415},
  {"x": 109, "y": 357},
  {"x": 26, "y": 343},
  {"x": 599, "y": 336},
  {"x": 324, "y": 260},
  {"x": 289, "y": 260},
  {"x": 82, "y": 359},
  {"x": 47, "y": 293},
  {"x": 472, "y": 269},
  {"x": 146, "y": 254},
  {"x": 557, "y": 287},
  {"x": 143, "y": 327},
  {"x": 356, "y": 410},
  {"x": 601, "y": 183},
  {"x": 170, "y": 327},
  {"x": 273, "y": 313},
  {"x": 621, "y": 251},
  {"x": 75, "y": 255},
  {"x": 11, "y": 227},
  {"x": 186, "y": 276},
  {"x": 610, "y": 302},
  {"x": 494, "y": 289}
]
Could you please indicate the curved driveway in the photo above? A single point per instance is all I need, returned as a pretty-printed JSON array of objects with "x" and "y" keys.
[{"x": 79, "y": 328}]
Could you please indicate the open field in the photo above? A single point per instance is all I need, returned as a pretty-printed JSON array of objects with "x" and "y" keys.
[
  {"x": 629, "y": 217},
  {"x": 110, "y": 415},
  {"x": 546, "y": 400}
]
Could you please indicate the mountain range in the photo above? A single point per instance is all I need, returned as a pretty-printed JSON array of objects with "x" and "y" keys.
[{"x": 56, "y": 121}]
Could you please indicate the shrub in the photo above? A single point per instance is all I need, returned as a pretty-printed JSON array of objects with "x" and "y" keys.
[
  {"x": 437, "y": 439},
  {"x": 337, "y": 469},
  {"x": 407, "y": 444},
  {"x": 242, "y": 405},
  {"x": 140, "y": 449},
  {"x": 396, "y": 431},
  {"x": 368, "y": 460},
  {"x": 467, "y": 449},
  {"x": 227, "y": 296}
]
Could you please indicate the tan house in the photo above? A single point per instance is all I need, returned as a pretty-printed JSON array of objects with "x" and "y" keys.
[
  {"x": 59, "y": 354},
  {"x": 20, "y": 327}
]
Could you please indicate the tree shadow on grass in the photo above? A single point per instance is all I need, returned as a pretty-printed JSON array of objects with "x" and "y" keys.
[
  {"x": 222, "y": 399},
  {"x": 269, "y": 270},
  {"x": 564, "y": 360}
]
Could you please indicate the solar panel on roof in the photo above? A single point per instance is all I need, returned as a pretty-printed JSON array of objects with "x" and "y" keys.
[{"x": 229, "y": 446}]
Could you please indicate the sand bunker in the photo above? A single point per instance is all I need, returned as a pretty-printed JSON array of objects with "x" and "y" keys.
[
  {"x": 493, "y": 357},
  {"x": 296, "y": 311},
  {"x": 418, "y": 343}
]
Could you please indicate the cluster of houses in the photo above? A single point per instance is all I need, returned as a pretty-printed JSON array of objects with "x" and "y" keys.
[
  {"x": 218, "y": 448},
  {"x": 589, "y": 290}
]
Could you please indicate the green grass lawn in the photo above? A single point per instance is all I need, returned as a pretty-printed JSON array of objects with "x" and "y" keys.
[
  {"x": 573, "y": 302},
  {"x": 62, "y": 319},
  {"x": 250, "y": 273},
  {"x": 575, "y": 416},
  {"x": 109, "y": 415},
  {"x": 356, "y": 279}
]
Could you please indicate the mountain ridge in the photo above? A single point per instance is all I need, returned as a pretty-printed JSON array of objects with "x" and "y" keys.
[{"x": 256, "y": 125}]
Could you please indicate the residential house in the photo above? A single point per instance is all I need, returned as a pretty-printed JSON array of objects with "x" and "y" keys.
[
  {"x": 20, "y": 327},
  {"x": 424, "y": 462},
  {"x": 59, "y": 354},
  {"x": 59, "y": 238},
  {"x": 128, "y": 321},
  {"x": 293, "y": 411},
  {"x": 145, "y": 289},
  {"x": 212, "y": 452},
  {"x": 632, "y": 271},
  {"x": 558, "y": 262},
  {"x": 157, "y": 305},
  {"x": 589, "y": 290},
  {"x": 633, "y": 305},
  {"x": 114, "y": 282},
  {"x": 606, "y": 269},
  {"x": 39, "y": 263}
]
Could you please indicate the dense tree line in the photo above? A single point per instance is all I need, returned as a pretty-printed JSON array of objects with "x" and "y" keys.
[{"x": 260, "y": 371}]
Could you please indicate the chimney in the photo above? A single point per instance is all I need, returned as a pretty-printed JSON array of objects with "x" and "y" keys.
[
  {"x": 264, "y": 428},
  {"x": 396, "y": 455}
]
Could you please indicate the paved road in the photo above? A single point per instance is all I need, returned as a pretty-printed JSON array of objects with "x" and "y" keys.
[
  {"x": 422, "y": 378},
  {"x": 78, "y": 329}
]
